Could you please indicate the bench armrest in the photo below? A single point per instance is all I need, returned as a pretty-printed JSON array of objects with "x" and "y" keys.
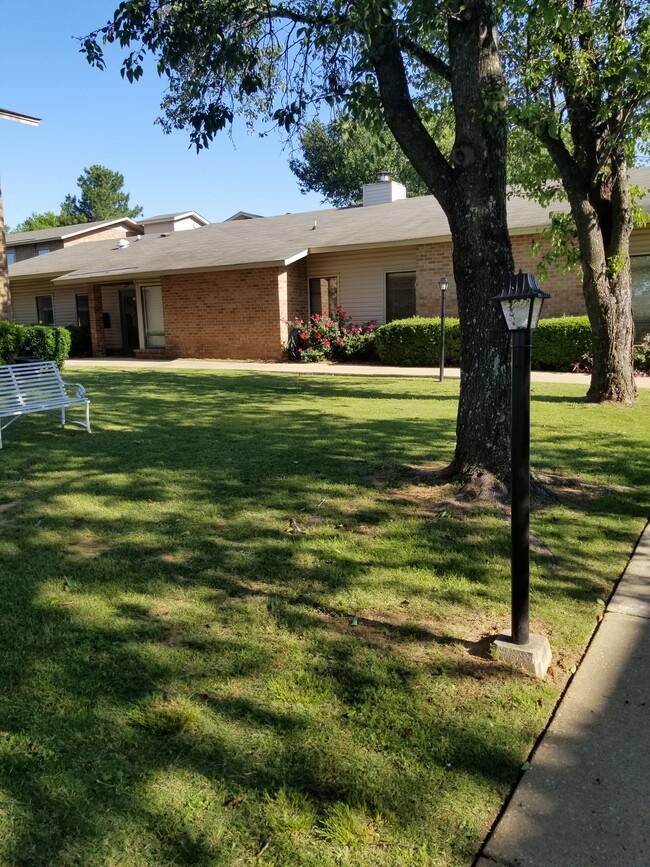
[{"x": 81, "y": 391}]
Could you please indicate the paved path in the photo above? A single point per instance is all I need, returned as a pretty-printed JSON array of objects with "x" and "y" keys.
[
  {"x": 585, "y": 802},
  {"x": 303, "y": 369}
]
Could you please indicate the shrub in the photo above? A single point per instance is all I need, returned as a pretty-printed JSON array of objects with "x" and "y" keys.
[
  {"x": 642, "y": 356},
  {"x": 49, "y": 342},
  {"x": 558, "y": 344},
  {"x": 325, "y": 337},
  {"x": 80, "y": 345},
  {"x": 415, "y": 342},
  {"x": 12, "y": 338}
]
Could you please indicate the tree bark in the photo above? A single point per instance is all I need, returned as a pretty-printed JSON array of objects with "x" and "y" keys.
[
  {"x": 472, "y": 192},
  {"x": 603, "y": 220}
]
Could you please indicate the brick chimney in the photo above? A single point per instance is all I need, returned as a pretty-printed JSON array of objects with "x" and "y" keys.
[{"x": 383, "y": 191}]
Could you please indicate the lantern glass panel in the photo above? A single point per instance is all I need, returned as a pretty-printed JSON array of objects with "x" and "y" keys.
[
  {"x": 536, "y": 313},
  {"x": 516, "y": 313}
]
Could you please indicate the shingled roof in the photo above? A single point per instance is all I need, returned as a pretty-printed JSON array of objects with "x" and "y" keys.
[{"x": 272, "y": 241}]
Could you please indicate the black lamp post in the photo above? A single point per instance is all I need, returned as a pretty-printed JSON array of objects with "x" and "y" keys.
[
  {"x": 444, "y": 285},
  {"x": 521, "y": 303}
]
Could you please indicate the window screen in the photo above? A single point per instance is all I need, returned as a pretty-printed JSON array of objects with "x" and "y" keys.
[{"x": 400, "y": 295}]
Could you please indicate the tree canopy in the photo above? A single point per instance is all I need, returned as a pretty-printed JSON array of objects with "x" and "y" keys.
[
  {"x": 337, "y": 159},
  {"x": 101, "y": 198},
  {"x": 579, "y": 76},
  {"x": 47, "y": 220},
  {"x": 394, "y": 63}
]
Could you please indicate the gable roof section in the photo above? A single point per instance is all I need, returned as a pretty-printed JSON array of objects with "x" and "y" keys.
[
  {"x": 272, "y": 241},
  {"x": 169, "y": 218},
  {"x": 62, "y": 233}
]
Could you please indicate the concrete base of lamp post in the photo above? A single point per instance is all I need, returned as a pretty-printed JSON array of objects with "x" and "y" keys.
[{"x": 533, "y": 658}]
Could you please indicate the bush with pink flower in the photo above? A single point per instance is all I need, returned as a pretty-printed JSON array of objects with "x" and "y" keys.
[{"x": 327, "y": 338}]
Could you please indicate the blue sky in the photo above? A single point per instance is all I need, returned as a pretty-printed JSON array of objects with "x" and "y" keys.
[{"x": 92, "y": 117}]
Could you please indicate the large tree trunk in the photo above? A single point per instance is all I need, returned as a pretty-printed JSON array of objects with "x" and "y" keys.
[
  {"x": 472, "y": 192},
  {"x": 482, "y": 249},
  {"x": 604, "y": 225}
]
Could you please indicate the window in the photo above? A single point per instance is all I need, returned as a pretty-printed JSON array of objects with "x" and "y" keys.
[
  {"x": 154, "y": 322},
  {"x": 641, "y": 295},
  {"x": 83, "y": 314},
  {"x": 42, "y": 249},
  {"x": 400, "y": 295},
  {"x": 11, "y": 257},
  {"x": 323, "y": 295},
  {"x": 44, "y": 310}
]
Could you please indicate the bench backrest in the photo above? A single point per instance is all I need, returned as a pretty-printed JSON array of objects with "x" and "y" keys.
[{"x": 31, "y": 384}]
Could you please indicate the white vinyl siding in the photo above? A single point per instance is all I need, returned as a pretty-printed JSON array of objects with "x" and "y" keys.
[
  {"x": 362, "y": 278},
  {"x": 23, "y": 299},
  {"x": 641, "y": 295}
]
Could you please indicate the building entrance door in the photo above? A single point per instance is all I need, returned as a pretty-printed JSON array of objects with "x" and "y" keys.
[{"x": 129, "y": 321}]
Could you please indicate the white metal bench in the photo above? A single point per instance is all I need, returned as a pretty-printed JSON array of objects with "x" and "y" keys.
[{"x": 36, "y": 386}]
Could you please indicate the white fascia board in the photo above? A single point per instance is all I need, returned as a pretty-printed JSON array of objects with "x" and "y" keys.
[{"x": 291, "y": 259}]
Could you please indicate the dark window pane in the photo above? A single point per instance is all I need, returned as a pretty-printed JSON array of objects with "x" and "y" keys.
[
  {"x": 83, "y": 315},
  {"x": 44, "y": 310},
  {"x": 400, "y": 295},
  {"x": 323, "y": 295}
]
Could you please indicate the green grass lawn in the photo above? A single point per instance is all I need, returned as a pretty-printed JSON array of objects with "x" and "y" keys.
[{"x": 236, "y": 629}]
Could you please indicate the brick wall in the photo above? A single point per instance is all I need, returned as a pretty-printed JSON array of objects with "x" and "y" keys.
[
  {"x": 114, "y": 233},
  {"x": 223, "y": 314},
  {"x": 565, "y": 289},
  {"x": 96, "y": 312},
  {"x": 435, "y": 260},
  {"x": 296, "y": 295},
  {"x": 28, "y": 251}
]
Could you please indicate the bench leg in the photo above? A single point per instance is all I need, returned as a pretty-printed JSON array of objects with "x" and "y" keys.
[{"x": 62, "y": 416}]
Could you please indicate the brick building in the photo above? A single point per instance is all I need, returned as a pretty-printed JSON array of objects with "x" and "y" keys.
[{"x": 227, "y": 290}]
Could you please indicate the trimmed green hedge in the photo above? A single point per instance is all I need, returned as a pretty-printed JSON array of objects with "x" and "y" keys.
[
  {"x": 558, "y": 344},
  {"x": 12, "y": 337},
  {"x": 416, "y": 342},
  {"x": 49, "y": 342}
]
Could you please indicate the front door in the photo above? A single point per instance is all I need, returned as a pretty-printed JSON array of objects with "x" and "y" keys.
[{"x": 129, "y": 320}]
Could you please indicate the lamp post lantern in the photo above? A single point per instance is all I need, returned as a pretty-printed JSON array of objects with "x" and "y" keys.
[
  {"x": 521, "y": 303},
  {"x": 444, "y": 285}
]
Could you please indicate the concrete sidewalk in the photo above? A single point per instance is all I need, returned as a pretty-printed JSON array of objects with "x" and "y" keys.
[
  {"x": 586, "y": 799},
  {"x": 295, "y": 367}
]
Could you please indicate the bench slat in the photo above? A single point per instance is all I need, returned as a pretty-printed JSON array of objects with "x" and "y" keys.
[{"x": 36, "y": 387}]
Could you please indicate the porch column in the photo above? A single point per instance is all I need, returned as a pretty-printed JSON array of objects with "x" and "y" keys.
[{"x": 96, "y": 313}]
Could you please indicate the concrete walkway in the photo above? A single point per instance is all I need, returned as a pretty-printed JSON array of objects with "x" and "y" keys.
[
  {"x": 585, "y": 802},
  {"x": 294, "y": 367}
]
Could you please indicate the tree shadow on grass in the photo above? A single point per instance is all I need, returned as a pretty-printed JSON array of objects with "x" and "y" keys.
[{"x": 169, "y": 646}]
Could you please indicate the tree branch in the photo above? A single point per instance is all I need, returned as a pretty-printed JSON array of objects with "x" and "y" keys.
[{"x": 426, "y": 58}]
